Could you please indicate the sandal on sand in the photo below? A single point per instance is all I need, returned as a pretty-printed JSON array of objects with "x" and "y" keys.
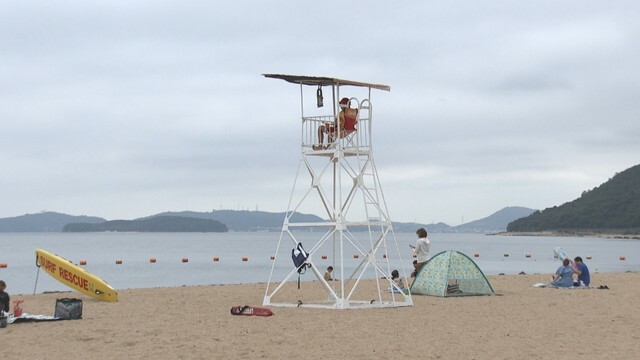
[{"x": 603, "y": 287}]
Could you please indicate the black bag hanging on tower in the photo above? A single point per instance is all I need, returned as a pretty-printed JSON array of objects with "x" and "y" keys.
[{"x": 299, "y": 256}]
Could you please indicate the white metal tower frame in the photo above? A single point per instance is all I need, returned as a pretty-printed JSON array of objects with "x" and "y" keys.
[{"x": 340, "y": 174}]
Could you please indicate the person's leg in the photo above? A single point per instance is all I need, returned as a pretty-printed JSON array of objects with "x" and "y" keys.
[
  {"x": 332, "y": 137},
  {"x": 320, "y": 138}
]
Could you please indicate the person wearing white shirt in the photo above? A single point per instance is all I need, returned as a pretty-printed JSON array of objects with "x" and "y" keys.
[{"x": 421, "y": 250}]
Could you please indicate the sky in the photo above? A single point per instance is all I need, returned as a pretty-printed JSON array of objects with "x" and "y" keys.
[{"x": 124, "y": 109}]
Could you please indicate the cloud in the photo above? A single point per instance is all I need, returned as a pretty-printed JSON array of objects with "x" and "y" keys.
[{"x": 125, "y": 109}]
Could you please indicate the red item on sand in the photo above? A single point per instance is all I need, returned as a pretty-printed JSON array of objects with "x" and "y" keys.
[
  {"x": 17, "y": 308},
  {"x": 250, "y": 311}
]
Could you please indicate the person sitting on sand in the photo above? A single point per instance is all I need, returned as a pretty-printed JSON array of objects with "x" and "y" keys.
[
  {"x": 415, "y": 268},
  {"x": 4, "y": 298},
  {"x": 327, "y": 274},
  {"x": 583, "y": 272},
  {"x": 563, "y": 276},
  {"x": 395, "y": 276}
]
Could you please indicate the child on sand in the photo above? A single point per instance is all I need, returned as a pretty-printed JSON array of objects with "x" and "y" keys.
[
  {"x": 415, "y": 268},
  {"x": 395, "y": 276},
  {"x": 327, "y": 274}
]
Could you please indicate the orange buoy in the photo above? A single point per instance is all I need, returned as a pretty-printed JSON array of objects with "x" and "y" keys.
[
  {"x": 216, "y": 259},
  {"x": 623, "y": 258},
  {"x": 83, "y": 262},
  {"x": 528, "y": 255},
  {"x": 118, "y": 262},
  {"x": 152, "y": 260},
  {"x": 324, "y": 257},
  {"x": 3, "y": 265},
  {"x": 476, "y": 255},
  {"x": 185, "y": 260},
  {"x": 245, "y": 259}
]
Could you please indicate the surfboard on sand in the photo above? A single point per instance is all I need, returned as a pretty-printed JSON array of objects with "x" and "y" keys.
[
  {"x": 560, "y": 254},
  {"x": 74, "y": 276}
]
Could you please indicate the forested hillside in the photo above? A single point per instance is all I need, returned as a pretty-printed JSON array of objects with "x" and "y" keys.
[{"x": 614, "y": 205}]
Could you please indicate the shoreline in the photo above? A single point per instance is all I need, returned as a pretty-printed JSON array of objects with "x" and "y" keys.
[
  {"x": 604, "y": 235},
  {"x": 193, "y": 322},
  {"x": 264, "y": 284}
]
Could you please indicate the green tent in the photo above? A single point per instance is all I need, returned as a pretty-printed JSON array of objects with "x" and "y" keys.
[{"x": 451, "y": 273}]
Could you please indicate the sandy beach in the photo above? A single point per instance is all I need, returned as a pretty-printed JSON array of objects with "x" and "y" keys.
[{"x": 519, "y": 322}]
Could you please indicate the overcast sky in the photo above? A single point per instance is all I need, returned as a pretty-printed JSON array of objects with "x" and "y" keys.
[{"x": 123, "y": 109}]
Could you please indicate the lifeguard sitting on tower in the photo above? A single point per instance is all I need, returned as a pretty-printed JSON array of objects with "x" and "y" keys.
[{"x": 348, "y": 118}]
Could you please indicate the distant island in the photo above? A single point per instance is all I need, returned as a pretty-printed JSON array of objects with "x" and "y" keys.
[
  {"x": 155, "y": 224},
  {"x": 232, "y": 220},
  {"x": 45, "y": 221}
]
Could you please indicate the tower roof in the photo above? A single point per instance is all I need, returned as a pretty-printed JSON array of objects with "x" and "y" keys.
[{"x": 321, "y": 80}]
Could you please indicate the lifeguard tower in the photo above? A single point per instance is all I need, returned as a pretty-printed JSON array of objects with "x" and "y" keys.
[{"x": 354, "y": 234}]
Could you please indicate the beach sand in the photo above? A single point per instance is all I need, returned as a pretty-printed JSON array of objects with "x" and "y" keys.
[{"x": 520, "y": 322}]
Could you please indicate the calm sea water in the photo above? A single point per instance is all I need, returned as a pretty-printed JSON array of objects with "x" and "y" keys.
[{"x": 100, "y": 250}]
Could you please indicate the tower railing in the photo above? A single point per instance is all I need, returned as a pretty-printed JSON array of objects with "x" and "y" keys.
[{"x": 357, "y": 141}]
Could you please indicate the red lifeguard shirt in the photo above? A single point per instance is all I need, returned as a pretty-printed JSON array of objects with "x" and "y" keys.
[{"x": 348, "y": 119}]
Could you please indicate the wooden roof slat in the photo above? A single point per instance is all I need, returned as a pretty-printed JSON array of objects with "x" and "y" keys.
[{"x": 324, "y": 81}]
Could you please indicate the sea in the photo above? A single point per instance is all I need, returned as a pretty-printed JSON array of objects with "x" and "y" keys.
[{"x": 494, "y": 254}]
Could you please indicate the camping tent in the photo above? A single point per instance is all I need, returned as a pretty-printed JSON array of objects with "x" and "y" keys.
[{"x": 451, "y": 273}]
